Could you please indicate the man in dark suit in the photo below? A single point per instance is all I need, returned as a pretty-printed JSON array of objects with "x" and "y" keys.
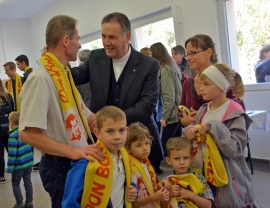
[{"x": 120, "y": 76}]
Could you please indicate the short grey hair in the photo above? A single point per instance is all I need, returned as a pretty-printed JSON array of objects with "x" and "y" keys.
[
  {"x": 121, "y": 18},
  {"x": 84, "y": 55},
  {"x": 179, "y": 49}
]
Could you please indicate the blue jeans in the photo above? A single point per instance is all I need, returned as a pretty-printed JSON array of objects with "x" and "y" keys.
[
  {"x": 53, "y": 175},
  {"x": 16, "y": 177}
]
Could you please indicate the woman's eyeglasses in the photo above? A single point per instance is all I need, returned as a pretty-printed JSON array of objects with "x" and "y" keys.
[{"x": 192, "y": 53}]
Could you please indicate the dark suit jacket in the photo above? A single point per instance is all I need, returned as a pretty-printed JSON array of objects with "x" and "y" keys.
[
  {"x": 26, "y": 74},
  {"x": 139, "y": 92},
  {"x": 140, "y": 88}
]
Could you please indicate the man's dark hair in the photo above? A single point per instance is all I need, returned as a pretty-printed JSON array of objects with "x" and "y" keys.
[
  {"x": 121, "y": 18},
  {"x": 22, "y": 58}
]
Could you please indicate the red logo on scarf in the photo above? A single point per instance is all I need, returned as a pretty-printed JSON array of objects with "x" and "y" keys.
[{"x": 72, "y": 124}]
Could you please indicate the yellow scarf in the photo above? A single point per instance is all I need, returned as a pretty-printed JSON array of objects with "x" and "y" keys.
[
  {"x": 27, "y": 69},
  {"x": 140, "y": 178},
  {"x": 72, "y": 106},
  {"x": 189, "y": 181},
  {"x": 99, "y": 179},
  {"x": 214, "y": 169},
  {"x": 17, "y": 90}
]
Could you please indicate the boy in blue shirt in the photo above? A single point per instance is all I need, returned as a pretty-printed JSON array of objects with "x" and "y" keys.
[{"x": 20, "y": 161}]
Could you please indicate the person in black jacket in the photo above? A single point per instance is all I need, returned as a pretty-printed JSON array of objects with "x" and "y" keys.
[
  {"x": 6, "y": 106},
  {"x": 23, "y": 64}
]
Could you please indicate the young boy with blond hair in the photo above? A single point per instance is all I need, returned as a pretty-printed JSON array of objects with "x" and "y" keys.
[
  {"x": 187, "y": 188},
  {"x": 103, "y": 183},
  {"x": 20, "y": 161}
]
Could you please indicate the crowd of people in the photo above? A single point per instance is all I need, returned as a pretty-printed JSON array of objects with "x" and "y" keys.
[{"x": 104, "y": 126}]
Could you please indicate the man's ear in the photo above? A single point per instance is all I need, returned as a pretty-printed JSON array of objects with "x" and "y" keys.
[
  {"x": 128, "y": 37},
  {"x": 168, "y": 161},
  {"x": 65, "y": 40}
]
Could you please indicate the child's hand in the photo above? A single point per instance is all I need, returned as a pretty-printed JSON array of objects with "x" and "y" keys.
[
  {"x": 162, "y": 195},
  {"x": 131, "y": 193},
  {"x": 165, "y": 184},
  {"x": 191, "y": 133},
  {"x": 175, "y": 190},
  {"x": 203, "y": 130},
  {"x": 189, "y": 119},
  {"x": 185, "y": 193}
]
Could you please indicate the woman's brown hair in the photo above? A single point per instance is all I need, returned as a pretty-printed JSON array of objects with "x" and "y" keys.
[
  {"x": 204, "y": 42},
  {"x": 160, "y": 53}
]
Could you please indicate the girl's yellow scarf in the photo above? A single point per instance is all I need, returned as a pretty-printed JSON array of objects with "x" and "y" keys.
[
  {"x": 188, "y": 181},
  {"x": 214, "y": 169},
  {"x": 99, "y": 179},
  {"x": 139, "y": 177},
  {"x": 72, "y": 105},
  {"x": 18, "y": 89}
]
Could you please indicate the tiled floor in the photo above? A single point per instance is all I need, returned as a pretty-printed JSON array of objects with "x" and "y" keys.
[{"x": 261, "y": 182}]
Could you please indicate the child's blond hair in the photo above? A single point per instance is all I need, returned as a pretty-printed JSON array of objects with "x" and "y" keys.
[
  {"x": 178, "y": 143},
  {"x": 137, "y": 132},
  {"x": 107, "y": 112},
  {"x": 233, "y": 77},
  {"x": 14, "y": 117}
]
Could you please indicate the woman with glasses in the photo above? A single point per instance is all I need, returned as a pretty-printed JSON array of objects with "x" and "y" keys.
[
  {"x": 170, "y": 90},
  {"x": 201, "y": 53}
]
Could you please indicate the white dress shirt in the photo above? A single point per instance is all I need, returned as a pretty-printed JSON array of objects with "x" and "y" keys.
[{"x": 119, "y": 64}]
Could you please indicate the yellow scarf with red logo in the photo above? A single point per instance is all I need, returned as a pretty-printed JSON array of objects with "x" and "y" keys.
[
  {"x": 214, "y": 169},
  {"x": 99, "y": 179},
  {"x": 71, "y": 103},
  {"x": 18, "y": 89},
  {"x": 140, "y": 178},
  {"x": 188, "y": 181}
]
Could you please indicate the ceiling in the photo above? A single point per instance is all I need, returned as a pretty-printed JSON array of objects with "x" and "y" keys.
[{"x": 23, "y": 9}]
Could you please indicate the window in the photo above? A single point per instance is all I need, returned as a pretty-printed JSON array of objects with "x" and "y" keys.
[
  {"x": 92, "y": 45},
  {"x": 161, "y": 31},
  {"x": 251, "y": 29}
]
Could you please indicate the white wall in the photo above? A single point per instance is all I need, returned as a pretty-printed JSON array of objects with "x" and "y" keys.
[
  {"x": 257, "y": 97},
  {"x": 15, "y": 40},
  {"x": 190, "y": 17},
  {"x": 28, "y": 37}
]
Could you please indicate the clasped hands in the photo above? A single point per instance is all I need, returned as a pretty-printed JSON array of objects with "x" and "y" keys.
[
  {"x": 176, "y": 190},
  {"x": 192, "y": 131}
]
